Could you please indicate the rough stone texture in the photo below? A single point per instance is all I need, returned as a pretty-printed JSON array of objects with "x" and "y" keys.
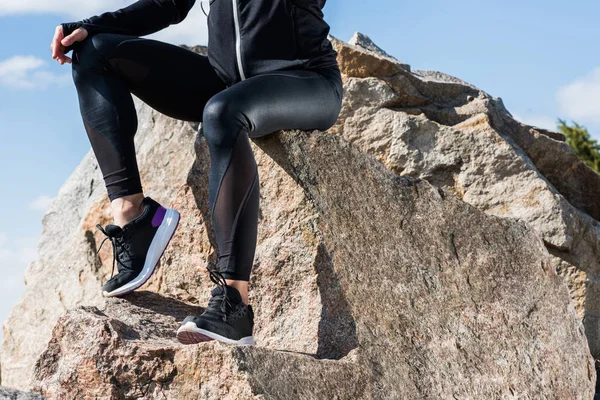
[
  {"x": 366, "y": 44},
  {"x": 576, "y": 280},
  {"x": 363, "y": 62},
  {"x": 436, "y": 127},
  {"x": 67, "y": 272},
  {"x": 11, "y": 394},
  {"x": 366, "y": 283},
  {"x": 126, "y": 357},
  {"x": 440, "y": 299},
  {"x": 555, "y": 160}
]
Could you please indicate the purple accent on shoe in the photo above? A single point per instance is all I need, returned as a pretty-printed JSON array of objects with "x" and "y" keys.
[{"x": 158, "y": 217}]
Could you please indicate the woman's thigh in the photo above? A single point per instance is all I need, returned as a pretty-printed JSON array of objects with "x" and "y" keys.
[
  {"x": 294, "y": 99},
  {"x": 173, "y": 80}
]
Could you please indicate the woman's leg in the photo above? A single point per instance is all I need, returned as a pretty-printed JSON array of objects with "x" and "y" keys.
[
  {"x": 107, "y": 69},
  {"x": 255, "y": 107}
]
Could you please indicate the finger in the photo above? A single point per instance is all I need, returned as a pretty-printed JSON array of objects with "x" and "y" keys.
[
  {"x": 53, "y": 48},
  {"x": 68, "y": 60},
  {"x": 75, "y": 36},
  {"x": 58, "y": 35},
  {"x": 57, "y": 52},
  {"x": 78, "y": 35},
  {"x": 67, "y": 41}
]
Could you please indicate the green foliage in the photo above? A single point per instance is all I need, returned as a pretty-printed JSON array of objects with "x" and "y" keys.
[{"x": 579, "y": 139}]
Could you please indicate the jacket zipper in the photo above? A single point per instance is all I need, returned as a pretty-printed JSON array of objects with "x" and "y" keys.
[{"x": 238, "y": 41}]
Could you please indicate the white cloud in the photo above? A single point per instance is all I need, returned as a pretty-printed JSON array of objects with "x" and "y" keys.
[
  {"x": 25, "y": 72},
  {"x": 41, "y": 203},
  {"x": 580, "y": 100},
  {"x": 540, "y": 121},
  {"x": 191, "y": 31},
  {"x": 76, "y": 9}
]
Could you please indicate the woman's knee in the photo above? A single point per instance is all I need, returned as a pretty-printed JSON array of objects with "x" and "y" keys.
[
  {"x": 222, "y": 120},
  {"x": 88, "y": 55}
]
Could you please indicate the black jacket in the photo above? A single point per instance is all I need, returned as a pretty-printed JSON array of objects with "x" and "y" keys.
[{"x": 245, "y": 37}]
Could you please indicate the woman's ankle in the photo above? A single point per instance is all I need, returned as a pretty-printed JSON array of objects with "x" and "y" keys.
[
  {"x": 127, "y": 208},
  {"x": 241, "y": 286}
]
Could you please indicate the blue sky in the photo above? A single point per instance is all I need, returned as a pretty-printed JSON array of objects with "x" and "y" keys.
[{"x": 539, "y": 56}]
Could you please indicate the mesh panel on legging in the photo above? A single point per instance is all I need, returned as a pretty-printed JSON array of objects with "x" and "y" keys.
[
  {"x": 235, "y": 212},
  {"x": 110, "y": 120},
  {"x": 120, "y": 173}
]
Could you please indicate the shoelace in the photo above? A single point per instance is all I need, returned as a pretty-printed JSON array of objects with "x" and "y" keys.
[
  {"x": 218, "y": 278},
  {"x": 116, "y": 242}
]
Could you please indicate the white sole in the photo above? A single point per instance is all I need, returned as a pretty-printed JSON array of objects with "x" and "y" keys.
[
  {"x": 191, "y": 327},
  {"x": 161, "y": 239}
]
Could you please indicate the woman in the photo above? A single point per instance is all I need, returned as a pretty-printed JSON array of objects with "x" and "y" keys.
[{"x": 269, "y": 67}]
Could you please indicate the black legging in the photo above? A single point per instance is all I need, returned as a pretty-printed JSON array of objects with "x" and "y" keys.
[{"x": 182, "y": 84}]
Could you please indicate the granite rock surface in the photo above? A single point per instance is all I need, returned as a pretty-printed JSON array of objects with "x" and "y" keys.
[{"x": 427, "y": 246}]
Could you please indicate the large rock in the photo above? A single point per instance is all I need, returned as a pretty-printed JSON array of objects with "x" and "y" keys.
[
  {"x": 436, "y": 299},
  {"x": 365, "y": 281},
  {"x": 67, "y": 272},
  {"x": 436, "y": 127},
  {"x": 126, "y": 357},
  {"x": 11, "y": 394},
  {"x": 362, "y": 58}
]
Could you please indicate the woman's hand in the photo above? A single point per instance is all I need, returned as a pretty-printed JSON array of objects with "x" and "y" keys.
[{"x": 60, "y": 42}]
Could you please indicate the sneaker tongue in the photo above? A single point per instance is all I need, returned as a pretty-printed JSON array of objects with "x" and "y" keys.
[
  {"x": 232, "y": 293},
  {"x": 113, "y": 230}
]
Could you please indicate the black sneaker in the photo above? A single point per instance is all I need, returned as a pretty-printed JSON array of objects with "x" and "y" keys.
[
  {"x": 138, "y": 246},
  {"x": 226, "y": 319}
]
